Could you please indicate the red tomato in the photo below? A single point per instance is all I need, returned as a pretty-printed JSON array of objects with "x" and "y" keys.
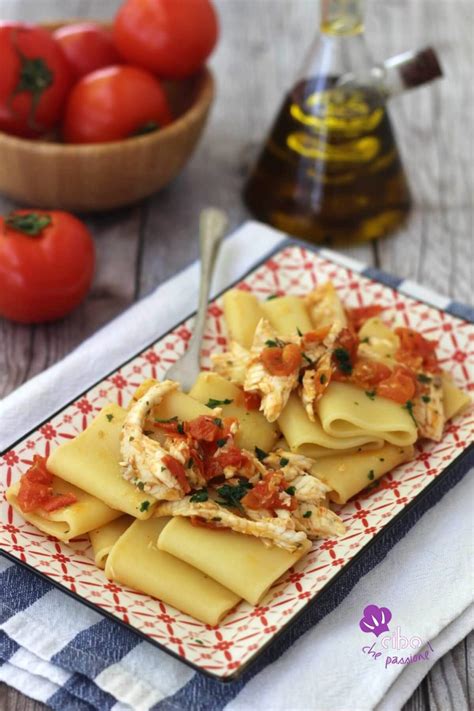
[
  {"x": 34, "y": 79},
  {"x": 178, "y": 471},
  {"x": 252, "y": 401},
  {"x": 415, "y": 351},
  {"x": 282, "y": 361},
  {"x": 367, "y": 373},
  {"x": 46, "y": 264},
  {"x": 358, "y": 316},
  {"x": 208, "y": 429},
  {"x": 232, "y": 457},
  {"x": 266, "y": 494},
  {"x": 169, "y": 37},
  {"x": 400, "y": 386},
  {"x": 87, "y": 47},
  {"x": 115, "y": 103},
  {"x": 36, "y": 489},
  {"x": 316, "y": 336}
]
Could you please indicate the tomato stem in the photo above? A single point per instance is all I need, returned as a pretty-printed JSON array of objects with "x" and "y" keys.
[
  {"x": 35, "y": 78},
  {"x": 30, "y": 223}
]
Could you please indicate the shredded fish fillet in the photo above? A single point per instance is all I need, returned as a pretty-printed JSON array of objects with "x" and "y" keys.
[
  {"x": 325, "y": 306},
  {"x": 141, "y": 456},
  {"x": 429, "y": 412},
  {"x": 274, "y": 389},
  {"x": 232, "y": 364},
  {"x": 279, "y": 531}
]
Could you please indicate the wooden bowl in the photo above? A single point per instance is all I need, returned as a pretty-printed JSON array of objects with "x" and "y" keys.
[{"x": 102, "y": 176}]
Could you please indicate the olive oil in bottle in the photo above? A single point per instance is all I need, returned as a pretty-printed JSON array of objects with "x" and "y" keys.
[{"x": 330, "y": 170}]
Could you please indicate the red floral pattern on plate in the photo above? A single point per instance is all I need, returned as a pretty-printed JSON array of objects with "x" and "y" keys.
[{"x": 222, "y": 650}]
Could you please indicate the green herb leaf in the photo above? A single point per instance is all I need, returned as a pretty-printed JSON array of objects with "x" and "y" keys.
[
  {"x": 180, "y": 428},
  {"x": 216, "y": 518},
  {"x": 298, "y": 332},
  {"x": 291, "y": 490},
  {"x": 140, "y": 485},
  {"x": 271, "y": 344},
  {"x": 370, "y": 394},
  {"x": 231, "y": 495},
  {"x": 272, "y": 296},
  {"x": 308, "y": 360},
  {"x": 365, "y": 340},
  {"x": 307, "y": 514},
  {"x": 170, "y": 419},
  {"x": 371, "y": 475},
  {"x": 189, "y": 463},
  {"x": 323, "y": 378},
  {"x": 212, "y": 403},
  {"x": 426, "y": 398},
  {"x": 284, "y": 461},
  {"x": 409, "y": 407},
  {"x": 221, "y": 442},
  {"x": 110, "y": 417},
  {"x": 217, "y": 421},
  {"x": 144, "y": 506},
  {"x": 260, "y": 454},
  {"x": 199, "y": 496},
  {"x": 343, "y": 360},
  {"x": 422, "y": 378}
]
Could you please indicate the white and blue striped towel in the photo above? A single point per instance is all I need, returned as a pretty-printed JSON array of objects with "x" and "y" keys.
[{"x": 60, "y": 652}]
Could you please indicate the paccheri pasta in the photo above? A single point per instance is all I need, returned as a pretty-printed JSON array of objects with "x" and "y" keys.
[{"x": 207, "y": 497}]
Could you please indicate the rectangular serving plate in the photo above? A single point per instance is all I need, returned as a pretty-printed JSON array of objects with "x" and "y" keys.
[{"x": 375, "y": 519}]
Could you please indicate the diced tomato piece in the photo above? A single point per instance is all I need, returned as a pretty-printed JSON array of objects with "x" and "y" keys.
[
  {"x": 32, "y": 495},
  {"x": 59, "y": 501},
  {"x": 367, "y": 373},
  {"x": 316, "y": 336},
  {"x": 205, "y": 428},
  {"x": 416, "y": 351},
  {"x": 38, "y": 471},
  {"x": 349, "y": 341},
  {"x": 252, "y": 401},
  {"x": 267, "y": 494},
  {"x": 358, "y": 316},
  {"x": 282, "y": 361},
  {"x": 232, "y": 457},
  {"x": 178, "y": 471},
  {"x": 400, "y": 386}
]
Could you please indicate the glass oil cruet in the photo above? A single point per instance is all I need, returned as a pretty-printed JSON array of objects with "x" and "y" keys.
[{"x": 330, "y": 170}]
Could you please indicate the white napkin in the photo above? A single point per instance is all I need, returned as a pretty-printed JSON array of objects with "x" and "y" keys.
[{"x": 424, "y": 580}]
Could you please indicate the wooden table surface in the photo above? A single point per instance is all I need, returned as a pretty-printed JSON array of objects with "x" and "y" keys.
[{"x": 262, "y": 45}]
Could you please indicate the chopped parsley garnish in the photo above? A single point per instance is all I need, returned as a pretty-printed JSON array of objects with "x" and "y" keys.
[
  {"x": 110, "y": 417},
  {"x": 216, "y": 518},
  {"x": 307, "y": 514},
  {"x": 260, "y": 454},
  {"x": 323, "y": 378},
  {"x": 217, "y": 421},
  {"x": 221, "y": 442},
  {"x": 298, "y": 331},
  {"x": 371, "y": 475},
  {"x": 365, "y": 340},
  {"x": 140, "y": 485},
  {"x": 180, "y": 428},
  {"x": 272, "y": 296},
  {"x": 291, "y": 490},
  {"x": 130, "y": 439},
  {"x": 426, "y": 398},
  {"x": 170, "y": 419},
  {"x": 271, "y": 344},
  {"x": 199, "y": 496},
  {"x": 308, "y": 360},
  {"x": 144, "y": 506},
  {"x": 370, "y": 394},
  {"x": 408, "y": 406},
  {"x": 189, "y": 463},
  {"x": 231, "y": 495},
  {"x": 212, "y": 403},
  {"x": 284, "y": 461},
  {"x": 343, "y": 360},
  {"x": 423, "y": 378}
]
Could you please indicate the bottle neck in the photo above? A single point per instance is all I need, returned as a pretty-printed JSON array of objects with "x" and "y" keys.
[{"x": 342, "y": 18}]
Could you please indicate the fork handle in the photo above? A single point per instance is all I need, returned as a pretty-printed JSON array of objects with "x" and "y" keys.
[{"x": 212, "y": 226}]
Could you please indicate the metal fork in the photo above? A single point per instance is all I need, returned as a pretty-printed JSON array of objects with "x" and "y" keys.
[{"x": 212, "y": 227}]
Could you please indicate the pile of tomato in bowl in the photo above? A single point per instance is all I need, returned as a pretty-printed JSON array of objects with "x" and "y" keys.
[{"x": 95, "y": 116}]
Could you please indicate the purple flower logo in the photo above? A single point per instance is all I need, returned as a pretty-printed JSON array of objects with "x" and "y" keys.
[{"x": 375, "y": 619}]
